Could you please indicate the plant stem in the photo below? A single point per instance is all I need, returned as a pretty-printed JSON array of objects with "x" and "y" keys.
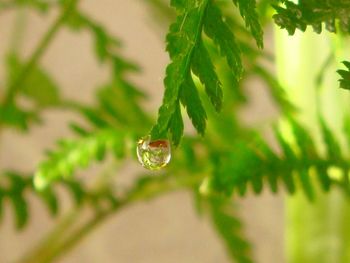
[
  {"x": 39, "y": 51},
  {"x": 51, "y": 237},
  {"x": 74, "y": 238},
  {"x": 61, "y": 240}
]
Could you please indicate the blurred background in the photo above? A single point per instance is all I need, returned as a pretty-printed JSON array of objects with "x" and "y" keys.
[{"x": 163, "y": 230}]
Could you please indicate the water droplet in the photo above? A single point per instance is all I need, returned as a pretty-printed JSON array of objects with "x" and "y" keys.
[{"x": 153, "y": 155}]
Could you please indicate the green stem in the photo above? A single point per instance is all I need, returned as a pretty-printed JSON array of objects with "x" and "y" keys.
[
  {"x": 39, "y": 51},
  {"x": 74, "y": 238},
  {"x": 48, "y": 242},
  {"x": 56, "y": 245}
]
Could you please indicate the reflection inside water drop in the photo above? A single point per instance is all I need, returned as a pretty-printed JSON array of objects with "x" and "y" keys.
[{"x": 153, "y": 155}]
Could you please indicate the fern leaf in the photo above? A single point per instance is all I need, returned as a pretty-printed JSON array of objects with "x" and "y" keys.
[
  {"x": 345, "y": 74},
  {"x": 248, "y": 11},
  {"x": 182, "y": 39},
  {"x": 303, "y": 139},
  {"x": 16, "y": 196},
  {"x": 248, "y": 163},
  {"x": 11, "y": 115},
  {"x": 190, "y": 99},
  {"x": 176, "y": 125},
  {"x": 229, "y": 228},
  {"x": 16, "y": 187},
  {"x": 204, "y": 69},
  {"x": 49, "y": 197},
  {"x": 313, "y": 13},
  {"x": 37, "y": 86},
  {"x": 189, "y": 56},
  {"x": 75, "y": 154},
  {"x": 220, "y": 33},
  {"x": 76, "y": 190}
]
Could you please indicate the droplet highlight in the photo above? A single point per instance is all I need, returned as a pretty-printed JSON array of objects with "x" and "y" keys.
[{"x": 153, "y": 155}]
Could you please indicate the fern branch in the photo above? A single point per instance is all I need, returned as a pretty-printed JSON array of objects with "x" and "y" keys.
[
  {"x": 313, "y": 13},
  {"x": 299, "y": 165},
  {"x": 15, "y": 187},
  {"x": 184, "y": 35},
  {"x": 248, "y": 11},
  {"x": 189, "y": 57},
  {"x": 76, "y": 154},
  {"x": 145, "y": 188}
]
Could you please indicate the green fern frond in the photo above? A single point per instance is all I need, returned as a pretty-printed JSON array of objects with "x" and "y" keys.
[
  {"x": 189, "y": 56},
  {"x": 16, "y": 187},
  {"x": 74, "y": 154},
  {"x": 299, "y": 165},
  {"x": 248, "y": 11},
  {"x": 313, "y": 13}
]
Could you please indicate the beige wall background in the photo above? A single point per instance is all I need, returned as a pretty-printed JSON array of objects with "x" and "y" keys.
[{"x": 165, "y": 230}]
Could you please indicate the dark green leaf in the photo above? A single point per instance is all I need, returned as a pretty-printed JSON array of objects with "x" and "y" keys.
[
  {"x": 313, "y": 13},
  {"x": 176, "y": 126},
  {"x": 49, "y": 197},
  {"x": 183, "y": 37},
  {"x": 16, "y": 197},
  {"x": 248, "y": 11},
  {"x": 190, "y": 100},
  {"x": 204, "y": 69},
  {"x": 11, "y": 115},
  {"x": 221, "y": 34},
  {"x": 345, "y": 74},
  {"x": 21, "y": 210}
]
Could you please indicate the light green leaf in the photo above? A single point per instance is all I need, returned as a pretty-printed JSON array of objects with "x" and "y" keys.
[{"x": 74, "y": 154}]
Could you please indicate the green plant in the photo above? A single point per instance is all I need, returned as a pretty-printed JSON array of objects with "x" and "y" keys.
[{"x": 214, "y": 47}]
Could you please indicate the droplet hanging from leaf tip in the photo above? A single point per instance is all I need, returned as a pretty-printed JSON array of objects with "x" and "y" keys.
[{"x": 153, "y": 155}]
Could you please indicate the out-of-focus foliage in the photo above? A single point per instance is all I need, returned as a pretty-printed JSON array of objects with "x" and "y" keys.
[
  {"x": 214, "y": 49},
  {"x": 333, "y": 13},
  {"x": 345, "y": 74}
]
